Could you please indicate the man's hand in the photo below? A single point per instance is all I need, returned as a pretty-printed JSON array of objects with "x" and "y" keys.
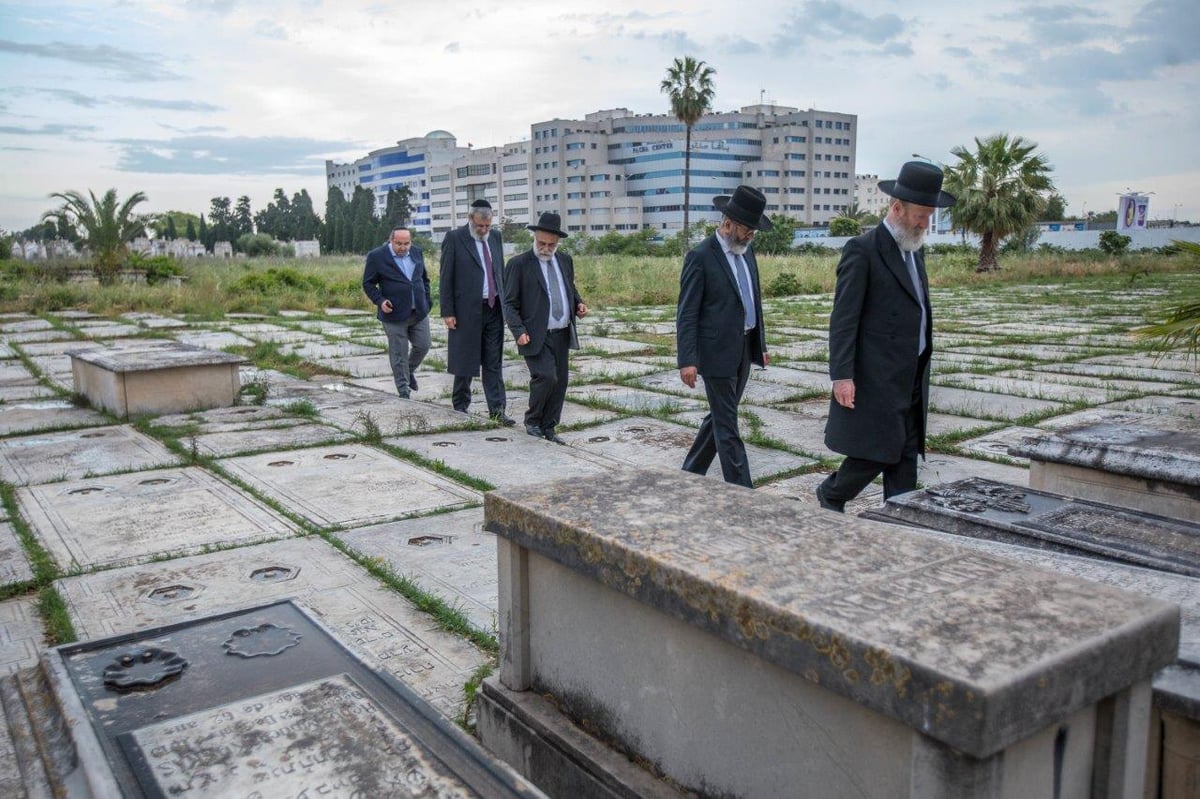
[
  {"x": 843, "y": 392},
  {"x": 522, "y": 339},
  {"x": 386, "y": 306},
  {"x": 581, "y": 310},
  {"x": 688, "y": 375},
  {"x": 766, "y": 359},
  {"x": 451, "y": 322}
]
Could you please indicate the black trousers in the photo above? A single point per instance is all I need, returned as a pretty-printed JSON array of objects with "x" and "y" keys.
[
  {"x": 491, "y": 357},
  {"x": 855, "y": 474},
  {"x": 548, "y": 380},
  {"x": 718, "y": 435}
]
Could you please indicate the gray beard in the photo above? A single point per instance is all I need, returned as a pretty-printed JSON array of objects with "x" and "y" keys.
[
  {"x": 909, "y": 241},
  {"x": 738, "y": 249}
]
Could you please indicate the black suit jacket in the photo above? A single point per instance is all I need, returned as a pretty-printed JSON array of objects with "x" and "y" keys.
[
  {"x": 710, "y": 319},
  {"x": 527, "y": 299},
  {"x": 383, "y": 280},
  {"x": 460, "y": 287},
  {"x": 873, "y": 338}
]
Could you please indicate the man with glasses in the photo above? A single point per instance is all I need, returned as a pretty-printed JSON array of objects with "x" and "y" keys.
[
  {"x": 394, "y": 278},
  {"x": 719, "y": 329},
  {"x": 540, "y": 307},
  {"x": 472, "y": 300}
]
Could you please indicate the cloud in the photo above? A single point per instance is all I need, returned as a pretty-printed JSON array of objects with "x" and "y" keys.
[
  {"x": 49, "y": 129},
  {"x": 73, "y": 97},
  {"x": 832, "y": 20},
  {"x": 234, "y": 155},
  {"x": 129, "y": 65},
  {"x": 737, "y": 45},
  {"x": 958, "y": 52},
  {"x": 166, "y": 105},
  {"x": 270, "y": 30},
  {"x": 453, "y": 47}
]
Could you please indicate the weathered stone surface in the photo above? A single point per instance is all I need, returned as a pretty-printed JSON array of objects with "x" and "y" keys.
[
  {"x": 947, "y": 641},
  {"x": 938, "y": 468},
  {"x": 29, "y": 415},
  {"x": 984, "y": 404},
  {"x": 634, "y": 400},
  {"x": 127, "y": 518},
  {"x": 21, "y": 634},
  {"x": 1188, "y": 407},
  {"x": 283, "y": 436},
  {"x": 156, "y": 378},
  {"x": 996, "y": 444},
  {"x": 14, "y": 568},
  {"x": 73, "y": 454},
  {"x": 1018, "y": 515},
  {"x": 348, "y": 484}
]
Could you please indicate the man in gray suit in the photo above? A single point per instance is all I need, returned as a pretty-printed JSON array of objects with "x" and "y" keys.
[
  {"x": 395, "y": 280},
  {"x": 472, "y": 307},
  {"x": 880, "y": 343},
  {"x": 719, "y": 329},
  {"x": 540, "y": 307}
]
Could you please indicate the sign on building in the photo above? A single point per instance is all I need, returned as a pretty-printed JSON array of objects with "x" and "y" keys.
[{"x": 1132, "y": 212}]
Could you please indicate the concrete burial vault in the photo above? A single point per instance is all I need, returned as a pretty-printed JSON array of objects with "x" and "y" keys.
[
  {"x": 159, "y": 377},
  {"x": 746, "y": 645}
]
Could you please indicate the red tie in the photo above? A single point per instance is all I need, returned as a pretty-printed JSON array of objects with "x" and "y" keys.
[{"x": 491, "y": 277}]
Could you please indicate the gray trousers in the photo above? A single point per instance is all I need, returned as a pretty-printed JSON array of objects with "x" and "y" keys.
[{"x": 408, "y": 344}]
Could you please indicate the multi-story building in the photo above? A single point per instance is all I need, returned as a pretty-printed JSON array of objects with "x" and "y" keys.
[
  {"x": 615, "y": 170},
  {"x": 869, "y": 197}
]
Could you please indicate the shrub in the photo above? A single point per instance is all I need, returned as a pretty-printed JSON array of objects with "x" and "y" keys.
[
  {"x": 257, "y": 244},
  {"x": 784, "y": 284},
  {"x": 273, "y": 280},
  {"x": 157, "y": 268},
  {"x": 1114, "y": 243},
  {"x": 844, "y": 226}
]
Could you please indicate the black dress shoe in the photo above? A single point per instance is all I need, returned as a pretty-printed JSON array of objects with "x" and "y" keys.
[
  {"x": 500, "y": 417},
  {"x": 550, "y": 435},
  {"x": 829, "y": 504},
  {"x": 534, "y": 431},
  {"x": 412, "y": 382}
]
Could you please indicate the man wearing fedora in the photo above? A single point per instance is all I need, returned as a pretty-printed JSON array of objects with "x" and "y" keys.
[
  {"x": 719, "y": 329},
  {"x": 472, "y": 306},
  {"x": 880, "y": 343},
  {"x": 540, "y": 307}
]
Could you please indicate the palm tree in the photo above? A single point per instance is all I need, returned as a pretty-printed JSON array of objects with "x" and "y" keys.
[
  {"x": 689, "y": 85},
  {"x": 106, "y": 228},
  {"x": 1181, "y": 326},
  {"x": 1000, "y": 190}
]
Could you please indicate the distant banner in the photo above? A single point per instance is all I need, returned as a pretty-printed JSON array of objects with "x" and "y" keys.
[{"x": 1132, "y": 212}]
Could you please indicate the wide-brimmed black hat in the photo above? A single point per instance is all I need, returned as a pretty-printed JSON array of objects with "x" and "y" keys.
[
  {"x": 481, "y": 203},
  {"x": 919, "y": 183},
  {"x": 746, "y": 206},
  {"x": 549, "y": 222}
]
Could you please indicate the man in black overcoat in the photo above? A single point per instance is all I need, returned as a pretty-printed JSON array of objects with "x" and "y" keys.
[
  {"x": 541, "y": 305},
  {"x": 719, "y": 329},
  {"x": 880, "y": 343},
  {"x": 472, "y": 307}
]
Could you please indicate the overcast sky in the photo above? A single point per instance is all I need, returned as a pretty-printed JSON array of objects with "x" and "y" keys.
[{"x": 193, "y": 99}]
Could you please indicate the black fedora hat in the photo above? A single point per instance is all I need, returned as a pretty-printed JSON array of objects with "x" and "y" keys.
[
  {"x": 919, "y": 183},
  {"x": 745, "y": 205},
  {"x": 549, "y": 222}
]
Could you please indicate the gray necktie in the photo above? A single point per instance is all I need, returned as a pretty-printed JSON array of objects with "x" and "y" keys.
[
  {"x": 556, "y": 306},
  {"x": 911, "y": 262},
  {"x": 743, "y": 276}
]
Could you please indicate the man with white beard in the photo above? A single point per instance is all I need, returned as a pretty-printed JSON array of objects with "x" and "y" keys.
[{"x": 880, "y": 343}]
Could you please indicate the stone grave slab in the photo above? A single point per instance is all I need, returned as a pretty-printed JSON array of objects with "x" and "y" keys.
[
  {"x": 985, "y": 404},
  {"x": 107, "y": 329},
  {"x": 447, "y": 554},
  {"x": 361, "y": 365},
  {"x": 585, "y": 367},
  {"x": 803, "y": 488},
  {"x": 24, "y": 393},
  {"x": 7, "y": 351},
  {"x": 290, "y": 710},
  {"x": 212, "y": 339},
  {"x": 21, "y": 634},
  {"x": 223, "y": 420},
  {"x": 801, "y": 426},
  {"x": 634, "y": 400},
  {"x": 1188, "y": 407},
  {"x": 45, "y": 334},
  {"x": 940, "y": 468},
  {"x": 324, "y": 350},
  {"x": 25, "y": 326},
  {"x": 15, "y": 374},
  {"x": 996, "y": 444},
  {"x": 655, "y": 443},
  {"x": 274, "y": 438},
  {"x": 1176, "y": 361},
  {"x": 615, "y": 346},
  {"x": 129, "y": 518},
  {"x": 14, "y": 567},
  {"x": 1045, "y": 389},
  {"x": 759, "y": 391},
  {"x": 152, "y": 321},
  {"x": 397, "y": 417},
  {"x": 347, "y": 485},
  {"x": 801, "y": 380},
  {"x": 1099, "y": 415},
  {"x": 800, "y": 351},
  {"x": 505, "y": 457},
  {"x": 573, "y": 414},
  {"x": 26, "y": 416},
  {"x": 1112, "y": 385},
  {"x": 431, "y": 385},
  {"x": 157, "y": 378},
  {"x": 347, "y": 312},
  {"x": 325, "y": 327},
  {"x": 1037, "y": 330},
  {"x": 982, "y": 508},
  {"x": 71, "y": 454},
  {"x": 956, "y": 361},
  {"x": 364, "y": 613},
  {"x": 1122, "y": 370}
]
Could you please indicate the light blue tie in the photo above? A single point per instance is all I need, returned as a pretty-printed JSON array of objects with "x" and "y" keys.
[
  {"x": 911, "y": 262},
  {"x": 743, "y": 276}
]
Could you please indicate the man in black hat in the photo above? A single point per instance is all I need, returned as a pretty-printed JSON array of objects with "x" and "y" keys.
[
  {"x": 880, "y": 343},
  {"x": 540, "y": 307},
  {"x": 719, "y": 329},
  {"x": 472, "y": 300}
]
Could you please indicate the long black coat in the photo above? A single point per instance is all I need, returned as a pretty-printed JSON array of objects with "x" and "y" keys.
[
  {"x": 461, "y": 288},
  {"x": 710, "y": 319},
  {"x": 873, "y": 339},
  {"x": 527, "y": 299}
]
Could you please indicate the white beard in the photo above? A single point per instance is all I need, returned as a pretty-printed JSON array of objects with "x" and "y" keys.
[{"x": 909, "y": 241}]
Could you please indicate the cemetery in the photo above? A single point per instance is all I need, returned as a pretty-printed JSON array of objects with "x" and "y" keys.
[{"x": 219, "y": 579}]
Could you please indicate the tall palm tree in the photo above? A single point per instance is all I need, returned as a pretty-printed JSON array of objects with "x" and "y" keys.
[
  {"x": 690, "y": 87},
  {"x": 105, "y": 227},
  {"x": 1000, "y": 189}
]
